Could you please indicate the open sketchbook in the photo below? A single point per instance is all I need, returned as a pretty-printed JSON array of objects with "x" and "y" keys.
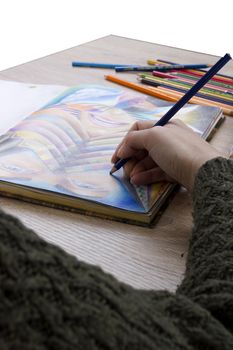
[{"x": 60, "y": 154}]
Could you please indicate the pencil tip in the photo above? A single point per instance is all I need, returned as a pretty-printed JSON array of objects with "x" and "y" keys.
[{"x": 113, "y": 170}]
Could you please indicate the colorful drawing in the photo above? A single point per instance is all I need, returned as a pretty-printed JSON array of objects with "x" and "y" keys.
[{"x": 66, "y": 146}]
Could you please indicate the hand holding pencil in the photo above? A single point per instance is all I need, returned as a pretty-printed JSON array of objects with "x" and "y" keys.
[
  {"x": 170, "y": 153},
  {"x": 184, "y": 99}
]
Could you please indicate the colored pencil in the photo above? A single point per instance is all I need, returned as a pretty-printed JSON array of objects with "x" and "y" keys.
[
  {"x": 216, "y": 78},
  {"x": 196, "y": 77},
  {"x": 184, "y": 89},
  {"x": 199, "y": 72},
  {"x": 98, "y": 65},
  {"x": 211, "y": 89},
  {"x": 227, "y": 77},
  {"x": 164, "y": 75},
  {"x": 138, "y": 87},
  {"x": 219, "y": 74},
  {"x": 154, "y": 81},
  {"x": 196, "y": 100},
  {"x": 159, "y": 68},
  {"x": 188, "y": 81},
  {"x": 166, "y": 94},
  {"x": 191, "y": 81},
  {"x": 184, "y": 99}
]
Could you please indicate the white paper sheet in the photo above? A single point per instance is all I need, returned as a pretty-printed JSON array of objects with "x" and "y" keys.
[{"x": 18, "y": 100}]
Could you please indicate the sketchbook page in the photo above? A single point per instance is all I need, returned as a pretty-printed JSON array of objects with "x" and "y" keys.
[
  {"x": 18, "y": 100},
  {"x": 66, "y": 147}
]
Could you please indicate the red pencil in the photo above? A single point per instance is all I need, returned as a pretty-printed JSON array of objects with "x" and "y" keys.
[
  {"x": 179, "y": 78},
  {"x": 163, "y": 75},
  {"x": 217, "y": 77},
  {"x": 228, "y": 81}
]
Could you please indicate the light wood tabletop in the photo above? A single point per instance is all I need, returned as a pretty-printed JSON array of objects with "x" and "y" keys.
[{"x": 150, "y": 258}]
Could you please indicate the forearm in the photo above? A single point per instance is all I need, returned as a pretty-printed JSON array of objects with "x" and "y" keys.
[
  {"x": 209, "y": 273},
  {"x": 48, "y": 299}
]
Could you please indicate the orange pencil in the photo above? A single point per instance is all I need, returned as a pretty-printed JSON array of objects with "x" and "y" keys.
[
  {"x": 166, "y": 94},
  {"x": 138, "y": 87}
]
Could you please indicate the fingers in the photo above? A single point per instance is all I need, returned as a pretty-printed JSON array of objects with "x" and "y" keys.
[
  {"x": 150, "y": 176},
  {"x": 139, "y": 125},
  {"x": 115, "y": 158},
  {"x": 130, "y": 146},
  {"x": 134, "y": 142},
  {"x": 132, "y": 163},
  {"x": 139, "y": 164},
  {"x": 142, "y": 125},
  {"x": 178, "y": 123},
  {"x": 175, "y": 148},
  {"x": 145, "y": 171},
  {"x": 142, "y": 136},
  {"x": 146, "y": 163},
  {"x": 133, "y": 138}
]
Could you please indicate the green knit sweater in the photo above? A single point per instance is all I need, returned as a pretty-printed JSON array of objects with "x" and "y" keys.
[{"x": 49, "y": 300}]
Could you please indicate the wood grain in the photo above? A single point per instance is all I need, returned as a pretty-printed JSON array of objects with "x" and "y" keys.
[{"x": 142, "y": 257}]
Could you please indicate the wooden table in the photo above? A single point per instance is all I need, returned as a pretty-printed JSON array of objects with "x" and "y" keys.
[{"x": 143, "y": 257}]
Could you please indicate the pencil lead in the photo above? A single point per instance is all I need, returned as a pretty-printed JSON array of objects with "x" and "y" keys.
[{"x": 113, "y": 170}]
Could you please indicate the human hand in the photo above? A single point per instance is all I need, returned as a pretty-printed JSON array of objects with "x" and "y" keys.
[{"x": 173, "y": 152}]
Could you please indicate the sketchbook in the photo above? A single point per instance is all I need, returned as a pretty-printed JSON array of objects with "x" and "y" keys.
[{"x": 60, "y": 155}]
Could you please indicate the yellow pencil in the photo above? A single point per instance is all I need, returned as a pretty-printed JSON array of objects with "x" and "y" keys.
[
  {"x": 153, "y": 62},
  {"x": 182, "y": 85},
  {"x": 197, "y": 100}
]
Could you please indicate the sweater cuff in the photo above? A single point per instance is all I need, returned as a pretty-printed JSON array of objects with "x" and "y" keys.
[{"x": 214, "y": 180}]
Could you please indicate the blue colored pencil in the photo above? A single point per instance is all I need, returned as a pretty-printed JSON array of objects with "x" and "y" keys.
[
  {"x": 184, "y": 99},
  {"x": 98, "y": 65},
  {"x": 159, "y": 68}
]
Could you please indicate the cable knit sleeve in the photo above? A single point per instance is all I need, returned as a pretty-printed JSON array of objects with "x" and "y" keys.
[
  {"x": 50, "y": 300},
  {"x": 209, "y": 273}
]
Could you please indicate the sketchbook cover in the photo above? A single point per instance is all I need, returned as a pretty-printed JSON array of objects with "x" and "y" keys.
[{"x": 65, "y": 148}]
